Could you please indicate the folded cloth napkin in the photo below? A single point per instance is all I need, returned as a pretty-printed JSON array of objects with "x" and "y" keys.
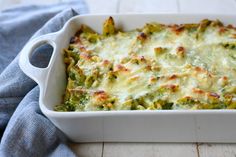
[{"x": 25, "y": 131}]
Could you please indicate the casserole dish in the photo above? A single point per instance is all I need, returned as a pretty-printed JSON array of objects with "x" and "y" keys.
[{"x": 125, "y": 126}]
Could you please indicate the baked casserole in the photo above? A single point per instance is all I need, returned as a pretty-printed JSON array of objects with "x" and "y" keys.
[{"x": 157, "y": 67}]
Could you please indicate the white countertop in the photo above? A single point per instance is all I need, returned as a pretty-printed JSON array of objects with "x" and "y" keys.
[{"x": 149, "y": 149}]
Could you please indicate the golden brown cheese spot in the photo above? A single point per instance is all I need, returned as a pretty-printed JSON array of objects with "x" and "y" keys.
[
  {"x": 133, "y": 78},
  {"x": 222, "y": 30},
  {"x": 100, "y": 95},
  {"x": 159, "y": 50},
  {"x": 198, "y": 91},
  {"x": 106, "y": 62},
  {"x": 181, "y": 51},
  {"x": 142, "y": 59},
  {"x": 213, "y": 97},
  {"x": 171, "y": 87},
  {"x": 223, "y": 81},
  {"x": 148, "y": 68},
  {"x": 85, "y": 56},
  {"x": 142, "y": 37},
  {"x": 83, "y": 49},
  {"x": 230, "y": 26},
  {"x": 156, "y": 68},
  {"x": 152, "y": 80},
  {"x": 173, "y": 77},
  {"x": 121, "y": 68},
  {"x": 200, "y": 70},
  {"x": 96, "y": 58},
  {"x": 234, "y": 36},
  {"x": 177, "y": 29}
]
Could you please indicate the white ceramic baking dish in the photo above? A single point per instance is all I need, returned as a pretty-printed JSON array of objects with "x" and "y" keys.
[{"x": 125, "y": 126}]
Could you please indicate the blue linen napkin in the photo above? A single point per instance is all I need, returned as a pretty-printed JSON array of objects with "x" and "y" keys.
[{"x": 24, "y": 130}]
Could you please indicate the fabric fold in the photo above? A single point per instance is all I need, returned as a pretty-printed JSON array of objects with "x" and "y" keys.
[{"x": 26, "y": 131}]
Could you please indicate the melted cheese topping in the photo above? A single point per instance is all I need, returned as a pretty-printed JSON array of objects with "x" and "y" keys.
[{"x": 156, "y": 67}]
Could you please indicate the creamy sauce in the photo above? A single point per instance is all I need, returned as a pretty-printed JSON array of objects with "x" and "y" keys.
[{"x": 199, "y": 68}]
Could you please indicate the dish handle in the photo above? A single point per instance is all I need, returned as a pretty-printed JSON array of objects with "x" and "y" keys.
[{"x": 35, "y": 73}]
